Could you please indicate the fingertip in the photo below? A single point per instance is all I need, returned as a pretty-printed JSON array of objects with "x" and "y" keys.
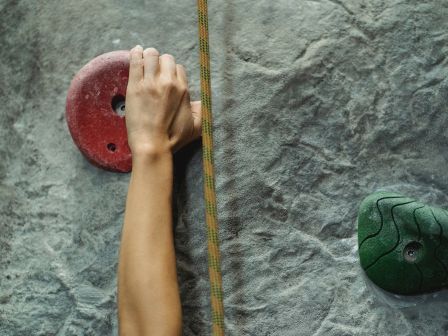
[
  {"x": 168, "y": 64},
  {"x": 168, "y": 59},
  {"x": 136, "y": 52},
  {"x": 167, "y": 56},
  {"x": 181, "y": 70},
  {"x": 151, "y": 61},
  {"x": 136, "y": 64},
  {"x": 151, "y": 52}
]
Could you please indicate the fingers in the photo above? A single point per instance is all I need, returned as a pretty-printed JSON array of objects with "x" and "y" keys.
[
  {"x": 151, "y": 62},
  {"x": 182, "y": 77},
  {"x": 136, "y": 65},
  {"x": 196, "y": 111},
  {"x": 181, "y": 74},
  {"x": 147, "y": 63},
  {"x": 167, "y": 65}
]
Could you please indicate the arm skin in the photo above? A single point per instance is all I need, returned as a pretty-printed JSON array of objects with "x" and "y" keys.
[{"x": 159, "y": 120}]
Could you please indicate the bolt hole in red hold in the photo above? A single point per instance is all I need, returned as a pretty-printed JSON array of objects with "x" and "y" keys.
[
  {"x": 111, "y": 147},
  {"x": 119, "y": 105},
  {"x": 95, "y": 110}
]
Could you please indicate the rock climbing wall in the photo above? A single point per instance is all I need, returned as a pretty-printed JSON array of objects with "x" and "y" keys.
[{"x": 317, "y": 104}]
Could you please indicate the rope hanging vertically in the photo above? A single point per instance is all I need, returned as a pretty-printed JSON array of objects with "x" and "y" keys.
[{"x": 211, "y": 217}]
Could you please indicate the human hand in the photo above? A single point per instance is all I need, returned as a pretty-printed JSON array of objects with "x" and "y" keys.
[{"x": 159, "y": 114}]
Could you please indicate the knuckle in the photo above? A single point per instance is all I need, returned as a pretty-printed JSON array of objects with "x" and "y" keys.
[
  {"x": 147, "y": 83},
  {"x": 182, "y": 88},
  {"x": 167, "y": 82},
  {"x": 150, "y": 87},
  {"x": 136, "y": 90}
]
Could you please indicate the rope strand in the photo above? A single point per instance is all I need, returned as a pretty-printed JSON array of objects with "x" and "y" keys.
[{"x": 211, "y": 216}]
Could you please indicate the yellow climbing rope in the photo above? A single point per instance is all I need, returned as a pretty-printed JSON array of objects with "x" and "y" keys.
[{"x": 211, "y": 217}]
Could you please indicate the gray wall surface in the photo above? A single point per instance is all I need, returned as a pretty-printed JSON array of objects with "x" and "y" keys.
[{"x": 316, "y": 104}]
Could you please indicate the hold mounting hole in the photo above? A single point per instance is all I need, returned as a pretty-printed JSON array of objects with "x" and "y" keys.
[
  {"x": 111, "y": 147},
  {"x": 119, "y": 105},
  {"x": 412, "y": 252}
]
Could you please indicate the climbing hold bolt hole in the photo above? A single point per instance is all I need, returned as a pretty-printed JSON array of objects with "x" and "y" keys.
[
  {"x": 118, "y": 105},
  {"x": 111, "y": 147},
  {"x": 412, "y": 252}
]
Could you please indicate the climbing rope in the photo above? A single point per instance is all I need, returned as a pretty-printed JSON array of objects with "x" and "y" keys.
[{"x": 211, "y": 217}]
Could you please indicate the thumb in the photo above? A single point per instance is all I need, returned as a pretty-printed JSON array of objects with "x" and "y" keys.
[{"x": 196, "y": 111}]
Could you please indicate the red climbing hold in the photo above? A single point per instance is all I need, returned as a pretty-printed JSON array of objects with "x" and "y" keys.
[{"x": 95, "y": 111}]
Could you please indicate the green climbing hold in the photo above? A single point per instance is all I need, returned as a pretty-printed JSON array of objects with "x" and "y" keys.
[{"x": 403, "y": 244}]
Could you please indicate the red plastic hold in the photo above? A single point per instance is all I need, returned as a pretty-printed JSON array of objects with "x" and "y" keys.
[{"x": 95, "y": 95}]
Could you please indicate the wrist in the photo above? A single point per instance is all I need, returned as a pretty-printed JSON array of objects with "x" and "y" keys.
[{"x": 150, "y": 153}]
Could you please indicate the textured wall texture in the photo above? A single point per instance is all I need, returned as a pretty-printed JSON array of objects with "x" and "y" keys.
[{"x": 317, "y": 104}]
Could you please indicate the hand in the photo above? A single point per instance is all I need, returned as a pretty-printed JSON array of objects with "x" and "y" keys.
[{"x": 159, "y": 115}]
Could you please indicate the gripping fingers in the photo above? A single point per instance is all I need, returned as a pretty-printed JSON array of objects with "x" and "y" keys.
[
  {"x": 167, "y": 66},
  {"x": 182, "y": 77},
  {"x": 136, "y": 65},
  {"x": 181, "y": 74},
  {"x": 151, "y": 62}
]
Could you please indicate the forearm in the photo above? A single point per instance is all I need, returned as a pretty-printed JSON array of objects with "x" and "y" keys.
[{"x": 147, "y": 279}]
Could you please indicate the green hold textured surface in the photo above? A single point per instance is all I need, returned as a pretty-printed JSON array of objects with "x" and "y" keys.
[{"x": 403, "y": 244}]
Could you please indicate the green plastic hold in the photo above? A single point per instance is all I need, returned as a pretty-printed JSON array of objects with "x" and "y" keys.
[{"x": 403, "y": 244}]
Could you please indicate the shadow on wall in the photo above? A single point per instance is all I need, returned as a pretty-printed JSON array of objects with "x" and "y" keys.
[
  {"x": 233, "y": 224},
  {"x": 190, "y": 231}
]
